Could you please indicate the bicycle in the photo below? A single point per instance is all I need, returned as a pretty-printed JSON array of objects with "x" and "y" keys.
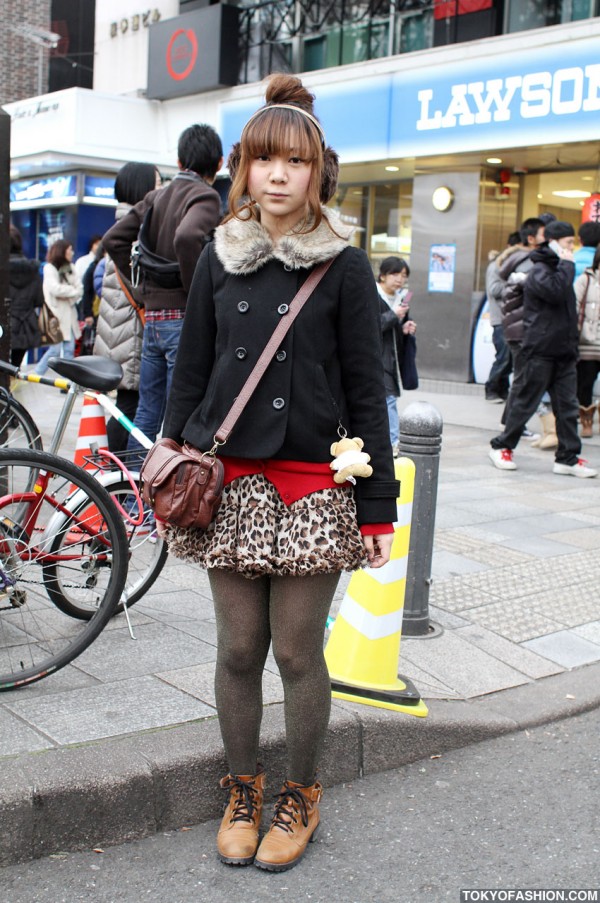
[
  {"x": 92, "y": 376},
  {"x": 63, "y": 551}
]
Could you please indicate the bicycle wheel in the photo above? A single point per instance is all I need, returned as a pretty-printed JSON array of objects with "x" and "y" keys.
[
  {"x": 46, "y": 545},
  {"x": 17, "y": 426},
  {"x": 146, "y": 553}
]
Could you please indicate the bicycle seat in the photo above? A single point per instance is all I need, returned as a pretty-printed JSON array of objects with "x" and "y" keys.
[{"x": 91, "y": 371}]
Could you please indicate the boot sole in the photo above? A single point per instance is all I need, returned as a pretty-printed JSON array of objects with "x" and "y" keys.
[
  {"x": 285, "y": 866},
  {"x": 229, "y": 860}
]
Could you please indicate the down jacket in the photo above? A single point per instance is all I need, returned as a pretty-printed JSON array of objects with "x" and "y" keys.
[
  {"x": 587, "y": 292},
  {"x": 513, "y": 268},
  {"x": 328, "y": 368},
  {"x": 119, "y": 329},
  {"x": 25, "y": 294},
  {"x": 550, "y": 312}
]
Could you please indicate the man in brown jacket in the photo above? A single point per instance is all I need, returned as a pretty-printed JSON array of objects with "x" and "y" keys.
[{"x": 177, "y": 221}]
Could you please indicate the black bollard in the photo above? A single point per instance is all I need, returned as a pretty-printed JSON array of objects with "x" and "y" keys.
[{"x": 420, "y": 440}]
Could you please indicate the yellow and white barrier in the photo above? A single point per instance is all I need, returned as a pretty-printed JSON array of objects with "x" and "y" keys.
[{"x": 364, "y": 646}]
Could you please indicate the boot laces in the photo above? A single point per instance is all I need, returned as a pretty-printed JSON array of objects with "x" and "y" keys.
[
  {"x": 245, "y": 793},
  {"x": 290, "y": 803}
]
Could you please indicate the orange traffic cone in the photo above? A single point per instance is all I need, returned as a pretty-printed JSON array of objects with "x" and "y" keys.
[{"x": 92, "y": 430}]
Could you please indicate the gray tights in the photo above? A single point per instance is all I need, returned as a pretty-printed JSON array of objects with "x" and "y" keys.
[{"x": 290, "y": 612}]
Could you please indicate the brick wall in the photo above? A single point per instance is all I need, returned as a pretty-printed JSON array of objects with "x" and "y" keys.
[{"x": 19, "y": 56}]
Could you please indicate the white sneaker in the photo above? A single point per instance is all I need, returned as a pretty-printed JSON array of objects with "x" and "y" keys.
[
  {"x": 502, "y": 458},
  {"x": 575, "y": 470}
]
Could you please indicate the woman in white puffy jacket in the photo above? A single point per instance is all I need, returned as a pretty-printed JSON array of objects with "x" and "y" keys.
[
  {"x": 587, "y": 292},
  {"x": 62, "y": 291}
]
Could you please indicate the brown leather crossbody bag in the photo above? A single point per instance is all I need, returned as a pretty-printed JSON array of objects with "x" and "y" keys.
[{"x": 184, "y": 485}]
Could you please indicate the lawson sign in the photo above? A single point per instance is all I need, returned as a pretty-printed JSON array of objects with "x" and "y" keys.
[{"x": 542, "y": 95}]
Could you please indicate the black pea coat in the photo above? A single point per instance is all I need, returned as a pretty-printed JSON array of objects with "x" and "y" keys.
[
  {"x": 328, "y": 369},
  {"x": 26, "y": 296}
]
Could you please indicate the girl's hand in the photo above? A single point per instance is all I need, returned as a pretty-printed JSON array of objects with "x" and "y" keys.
[{"x": 378, "y": 548}]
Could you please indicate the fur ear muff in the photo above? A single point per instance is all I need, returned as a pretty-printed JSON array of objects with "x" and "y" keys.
[
  {"x": 331, "y": 170},
  {"x": 233, "y": 161}
]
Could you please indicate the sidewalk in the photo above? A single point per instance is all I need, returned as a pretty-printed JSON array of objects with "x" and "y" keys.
[{"x": 125, "y": 742}]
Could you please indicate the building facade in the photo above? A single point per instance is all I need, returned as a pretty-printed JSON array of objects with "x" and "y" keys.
[{"x": 444, "y": 149}]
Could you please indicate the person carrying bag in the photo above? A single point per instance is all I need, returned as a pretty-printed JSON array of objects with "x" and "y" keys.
[{"x": 284, "y": 529}]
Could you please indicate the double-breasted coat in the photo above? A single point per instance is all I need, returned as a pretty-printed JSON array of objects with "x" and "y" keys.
[{"x": 327, "y": 370}]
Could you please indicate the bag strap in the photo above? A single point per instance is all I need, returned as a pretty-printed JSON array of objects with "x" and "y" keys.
[
  {"x": 137, "y": 307},
  {"x": 583, "y": 303},
  {"x": 273, "y": 344}
]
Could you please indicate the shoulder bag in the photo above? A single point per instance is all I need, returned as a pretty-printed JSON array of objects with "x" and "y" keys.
[
  {"x": 182, "y": 484},
  {"x": 49, "y": 326}
]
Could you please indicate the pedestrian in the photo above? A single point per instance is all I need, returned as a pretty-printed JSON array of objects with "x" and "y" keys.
[
  {"x": 62, "y": 292},
  {"x": 498, "y": 384},
  {"x": 179, "y": 220},
  {"x": 395, "y": 325},
  {"x": 285, "y": 530},
  {"x": 120, "y": 326},
  {"x": 589, "y": 237},
  {"x": 25, "y": 298},
  {"x": 587, "y": 292},
  {"x": 549, "y": 352},
  {"x": 83, "y": 262}
]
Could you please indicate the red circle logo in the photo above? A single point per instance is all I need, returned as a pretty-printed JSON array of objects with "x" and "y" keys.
[{"x": 182, "y": 53}]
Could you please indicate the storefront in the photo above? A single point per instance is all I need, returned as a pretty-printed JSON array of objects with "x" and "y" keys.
[{"x": 443, "y": 155}]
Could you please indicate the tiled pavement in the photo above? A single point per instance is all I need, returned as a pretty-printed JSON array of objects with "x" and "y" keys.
[{"x": 515, "y": 591}]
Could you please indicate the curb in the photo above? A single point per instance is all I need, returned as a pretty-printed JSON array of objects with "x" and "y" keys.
[{"x": 127, "y": 788}]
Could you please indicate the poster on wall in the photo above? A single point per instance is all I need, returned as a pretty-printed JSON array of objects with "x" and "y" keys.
[{"x": 442, "y": 266}]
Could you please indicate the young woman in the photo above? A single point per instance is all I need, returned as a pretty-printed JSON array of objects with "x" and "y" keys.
[
  {"x": 284, "y": 530},
  {"x": 587, "y": 292},
  {"x": 62, "y": 291},
  {"x": 26, "y": 296},
  {"x": 120, "y": 329}
]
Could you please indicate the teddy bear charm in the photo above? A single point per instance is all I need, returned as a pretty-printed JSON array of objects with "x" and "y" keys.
[{"x": 349, "y": 460}]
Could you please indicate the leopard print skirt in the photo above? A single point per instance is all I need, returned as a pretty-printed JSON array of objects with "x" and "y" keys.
[{"x": 255, "y": 533}]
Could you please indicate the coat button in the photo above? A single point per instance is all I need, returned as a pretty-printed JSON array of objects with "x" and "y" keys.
[
  {"x": 283, "y": 309},
  {"x": 281, "y": 356},
  {"x": 241, "y": 353},
  {"x": 278, "y": 403},
  {"x": 243, "y": 307}
]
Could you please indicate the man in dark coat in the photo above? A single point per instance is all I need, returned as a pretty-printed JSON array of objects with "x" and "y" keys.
[
  {"x": 549, "y": 349},
  {"x": 182, "y": 219},
  {"x": 26, "y": 297}
]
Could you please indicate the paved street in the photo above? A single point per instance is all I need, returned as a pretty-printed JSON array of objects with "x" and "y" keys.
[
  {"x": 124, "y": 741},
  {"x": 517, "y": 812}
]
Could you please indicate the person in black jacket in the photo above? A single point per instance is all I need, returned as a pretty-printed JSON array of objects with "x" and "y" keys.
[
  {"x": 549, "y": 350},
  {"x": 285, "y": 529},
  {"x": 395, "y": 324},
  {"x": 26, "y": 297}
]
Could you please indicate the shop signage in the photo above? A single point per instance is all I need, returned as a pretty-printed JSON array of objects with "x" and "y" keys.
[
  {"x": 54, "y": 190},
  {"x": 540, "y": 95},
  {"x": 194, "y": 52},
  {"x": 99, "y": 190},
  {"x": 135, "y": 22},
  {"x": 591, "y": 209}
]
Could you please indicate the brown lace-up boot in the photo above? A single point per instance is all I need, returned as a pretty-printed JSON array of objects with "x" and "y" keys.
[
  {"x": 294, "y": 826},
  {"x": 237, "y": 840},
  {"x": 586, "y": 417}
]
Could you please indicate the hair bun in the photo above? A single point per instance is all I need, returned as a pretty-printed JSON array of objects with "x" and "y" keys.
[{"x": 283, "y": 88}]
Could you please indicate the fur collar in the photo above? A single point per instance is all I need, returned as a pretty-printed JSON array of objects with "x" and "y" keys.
[{"x": 244, "y": 246}]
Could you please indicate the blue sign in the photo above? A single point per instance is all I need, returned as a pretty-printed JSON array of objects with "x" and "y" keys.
[
  {"x": 502, "y": 100},
  {"x": 53, "y": 190},
  {"x": 99, "y": 189}
]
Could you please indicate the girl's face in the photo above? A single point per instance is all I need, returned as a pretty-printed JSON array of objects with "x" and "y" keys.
[
  {"x": 279, "y": 182},
  {"x": 394, "y": 282},
  {"x": 69, "y": 254}
]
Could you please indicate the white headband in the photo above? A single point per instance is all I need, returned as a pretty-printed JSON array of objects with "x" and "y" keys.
[{"x": 289, "y": 106}]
